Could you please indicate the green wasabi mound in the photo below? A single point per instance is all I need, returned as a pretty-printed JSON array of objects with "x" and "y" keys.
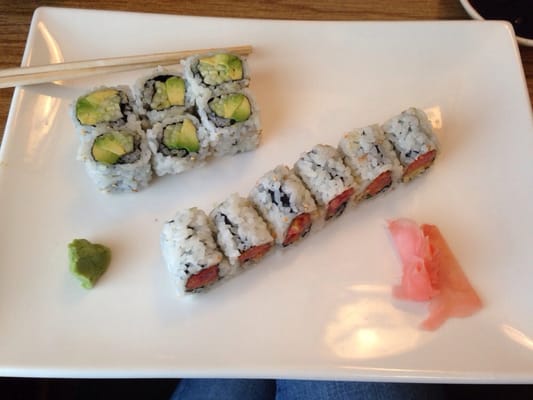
[{"x": 88, "y": 261}]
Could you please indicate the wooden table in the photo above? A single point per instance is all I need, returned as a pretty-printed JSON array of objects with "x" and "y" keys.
[{"x": 15, "y": 19}]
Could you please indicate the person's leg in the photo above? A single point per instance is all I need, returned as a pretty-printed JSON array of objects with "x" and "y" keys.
[
  {"x": 338, "y": 390},
  {"x": 225, "y": 389}
]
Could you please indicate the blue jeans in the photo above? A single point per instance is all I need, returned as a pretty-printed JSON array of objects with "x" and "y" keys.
[{"x": 265, "y": 389}]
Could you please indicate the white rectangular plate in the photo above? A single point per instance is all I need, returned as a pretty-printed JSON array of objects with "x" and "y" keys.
[{"x": 323, "y": 308}]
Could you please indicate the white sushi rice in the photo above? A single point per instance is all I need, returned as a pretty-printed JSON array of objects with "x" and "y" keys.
[
  {"x": 280, "y": 196},
  {"x": 324, "y": 173},
  {"x": 188, "y": 247},
  {"x": 237, "y": 138},
  {"x": 200, "y": 89},
  {"x": 369, "y": 154},
  {"x": 144, "y": 91},
  {"x": 173, "y": 164},
  {"x": 126, "y": 177},
  {"x": 411, "y": 134},
  {"x": 238, "y": 227}
]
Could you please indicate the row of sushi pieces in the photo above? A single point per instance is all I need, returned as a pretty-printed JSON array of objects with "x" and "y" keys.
[
  {"x": 286, "y": 203},
  {"x": 172, "y": 120}
]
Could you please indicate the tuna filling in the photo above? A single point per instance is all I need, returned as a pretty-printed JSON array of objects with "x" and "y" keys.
[{"x": 299, "y": 227}]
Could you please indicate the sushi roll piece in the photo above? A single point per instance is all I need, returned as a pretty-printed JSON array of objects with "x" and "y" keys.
[
  {"x": 285, "y": 204},
  {"x": 414, "y": 141},
  {"x": 327, "y": 178},
  {"x": 241, "y": 233},
  {"x": 178, "y": 144},
  {"x": 372, "y": 160},
  {"x": 192, "y": 257},
  {"x": 162, "y": 94},
  {"x": 232, "y": 121},
  {"x": 117, "y": 159},
  {"x": 214, "y": 73},
  {"x": 104, "y": 106}
]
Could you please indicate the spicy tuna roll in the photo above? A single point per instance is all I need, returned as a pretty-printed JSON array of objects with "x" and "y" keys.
[
  {"x": 327, "y": 177},
  {"x": 372, "y": 160},
  {"x": 163, "y": 94},
  {"x": 104, "y": 106},
  {"x": 178, "y": 144},
  {"x": 241, "y": 233},
  {"x": 285, "y": 203},
  {"x": 117, "y": 159},
  {"x": 190, "y": 252},
  {"x": 414, "y": 141},
  {"x": 214, "y": 73},
  {"x": 232, "y": 121}
]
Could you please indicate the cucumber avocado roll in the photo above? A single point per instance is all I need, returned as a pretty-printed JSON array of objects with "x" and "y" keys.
[
  {"x": 106, "y": 105},
  {"x": 232, "y": 120},
  {"x": 215, "y": 73},
  {"x": 162, "y": 94},
  {"x": 117, "y": 159},
  {"x": 177, "y": 144}
]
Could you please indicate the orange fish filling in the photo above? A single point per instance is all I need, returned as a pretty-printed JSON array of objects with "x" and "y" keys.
[
  {"x": 383, "y": 181},
  {"x": 203, "y": 278},
  {"x": 338, "y": 204},
  {"x": 419, "y": 165},
  {"x": 299, "y": 227},
  {"x": 255, "y": 253}
]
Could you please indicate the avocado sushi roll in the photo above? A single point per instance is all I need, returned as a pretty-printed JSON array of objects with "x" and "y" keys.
[
  {"x": 372, "y": 160},
  {"x": 178, "y": 144},
  {"x": 413, "y": 140},
  {"x": 285, "y": 204},
  {"x": 117, "y": 159},
  {"x": 326, "y": 176},
  {"x": 104, "y": 106},
  {"x": 215, "y": 73},
  {"x": 190, "y": 252},
  {"x": 241, "y": 233},
  {"x": 232, "y": 121},
  {"x": 163, "y": 94}
]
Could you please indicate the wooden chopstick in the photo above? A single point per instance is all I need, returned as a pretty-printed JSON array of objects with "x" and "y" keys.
[{"x": 78, "y": 69}]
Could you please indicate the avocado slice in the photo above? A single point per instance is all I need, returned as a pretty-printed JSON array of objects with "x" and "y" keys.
[
  {"x": 99, "y": 106},
  {"x": 181, "y": 136},
  {"x": 175, "y": 90},
  {"x": 235, "y": 106},
  {"x": 88, "y": 261},
  {"x": 220, "y": 68},
  {"x": 110, "y": 146}
]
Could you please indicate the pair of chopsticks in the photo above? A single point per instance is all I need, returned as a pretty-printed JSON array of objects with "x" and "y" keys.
[{"x": 78, "y": 69}]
